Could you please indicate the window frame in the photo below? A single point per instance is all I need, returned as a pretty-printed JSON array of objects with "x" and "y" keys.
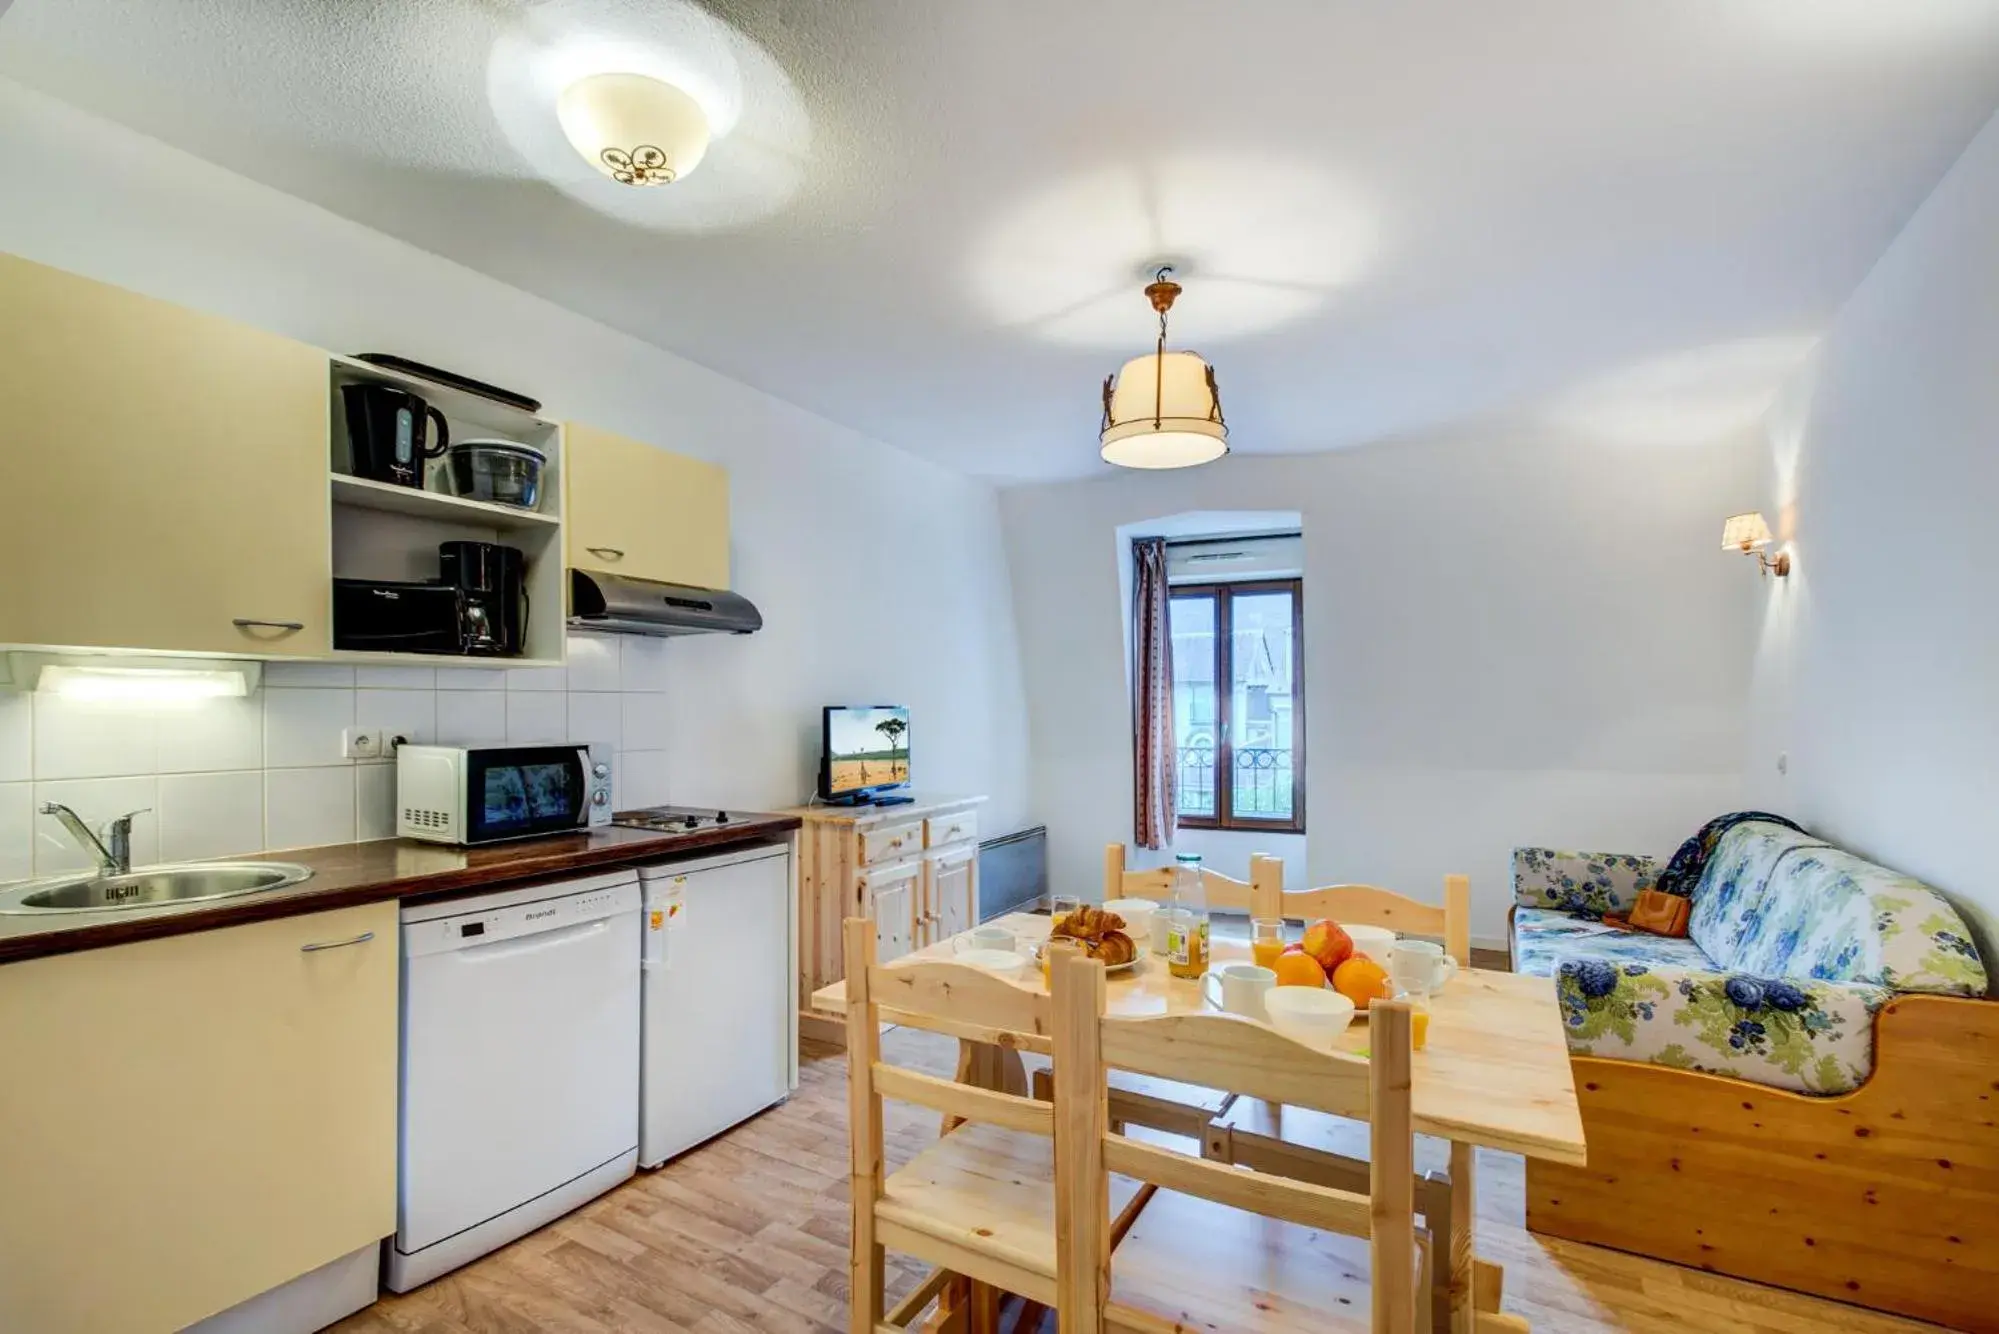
[{"x": 1223, "y": 594}]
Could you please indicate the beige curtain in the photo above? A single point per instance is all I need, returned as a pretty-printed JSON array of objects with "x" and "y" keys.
[{"x": 1155, "y": 765}]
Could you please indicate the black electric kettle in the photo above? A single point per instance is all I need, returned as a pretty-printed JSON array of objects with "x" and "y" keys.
[{"x": 385, "y": 433}]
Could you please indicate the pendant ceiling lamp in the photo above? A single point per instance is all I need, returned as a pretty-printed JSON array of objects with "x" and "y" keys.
[{"x": 1163, "y": 410}]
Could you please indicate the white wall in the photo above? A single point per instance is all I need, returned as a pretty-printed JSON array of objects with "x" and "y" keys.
[
  {"x": 1878, "y": 664},
  {"x": 1509, "y": 639},
  {"x": 879, "y": 576}
]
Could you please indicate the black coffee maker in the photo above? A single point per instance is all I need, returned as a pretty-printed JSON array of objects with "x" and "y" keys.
[
  {"x": 386, "y": 433},
  {"x": 492, "y": 580}
]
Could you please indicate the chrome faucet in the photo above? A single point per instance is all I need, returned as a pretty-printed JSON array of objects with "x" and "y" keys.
[{"x": 114, "y": 851}]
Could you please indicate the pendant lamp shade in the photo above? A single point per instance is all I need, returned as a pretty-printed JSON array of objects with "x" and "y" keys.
[
  {"x": 1163, "y": 410},
  {"x": 634, "y": 129},
  {"x": 1187, "y": 428}
]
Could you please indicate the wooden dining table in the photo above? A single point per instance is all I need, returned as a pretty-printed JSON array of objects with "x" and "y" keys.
[{"x": 1493, "y": 1074}]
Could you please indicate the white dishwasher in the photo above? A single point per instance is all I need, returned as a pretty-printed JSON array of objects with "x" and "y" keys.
[
  {"x": 520, "y": 1065},
  {"x": 719, "y": 969}
]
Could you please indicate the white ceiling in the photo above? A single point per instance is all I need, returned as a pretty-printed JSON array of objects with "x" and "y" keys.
[{"x": 931, "y": 217}]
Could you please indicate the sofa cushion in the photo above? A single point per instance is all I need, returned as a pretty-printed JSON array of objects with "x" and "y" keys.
[
  {"x": 1806, "y": 1036},
  {"x": 1829, "y": 914},
  {"x": 1543, "y": 937},
  {"x": 1733, "y": 893},
  {"x": 1588, "y": 884}
]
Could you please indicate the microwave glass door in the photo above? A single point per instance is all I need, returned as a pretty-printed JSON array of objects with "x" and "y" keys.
[{"x": 520, "y": 791}]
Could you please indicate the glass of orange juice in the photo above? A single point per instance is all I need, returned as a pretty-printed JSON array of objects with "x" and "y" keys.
[
  {"x": 1266, "y": 940},
  {"x": 1418, "y": 1000}
]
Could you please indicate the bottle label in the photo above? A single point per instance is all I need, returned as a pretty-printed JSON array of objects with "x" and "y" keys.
[{"x": 1187, "y": 942}]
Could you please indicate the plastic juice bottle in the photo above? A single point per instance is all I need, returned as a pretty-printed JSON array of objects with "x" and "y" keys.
[{"x": 1187, "y": 933}]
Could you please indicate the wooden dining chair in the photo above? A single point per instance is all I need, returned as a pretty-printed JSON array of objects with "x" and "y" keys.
[
  {"x": 979, "y": 1204},
  {"x": 1371, "y": 905},
  {"x": 1224, "y": 893},
  {"x": 1222, "y": 1247}
]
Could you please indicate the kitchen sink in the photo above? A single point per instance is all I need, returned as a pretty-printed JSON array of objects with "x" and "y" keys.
[{"x": 150, "y": 887}]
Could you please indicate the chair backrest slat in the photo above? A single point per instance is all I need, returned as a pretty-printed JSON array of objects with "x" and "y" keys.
[
  {"x": 958, "y": 999},
  {"x": 1229, "y": 1052},
  {"x": 1298, "y": 1202},
  {"x": 964, "y": 1101}
]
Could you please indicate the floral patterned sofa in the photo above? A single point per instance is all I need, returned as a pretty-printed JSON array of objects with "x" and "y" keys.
[
  {"x": 1792, "y": 948},
  {"x": 1800, "y": 1092}
]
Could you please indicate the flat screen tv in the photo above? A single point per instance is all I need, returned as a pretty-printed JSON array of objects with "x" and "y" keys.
[{"x": 866, "y": 751}]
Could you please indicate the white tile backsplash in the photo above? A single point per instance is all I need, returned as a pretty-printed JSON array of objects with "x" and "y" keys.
[
  {"x": 17, "y": 831},
  {"x": 304, "y": 808},
  {"x": 374, "y": 801},
  {"x": 472, "y": 717},
  {"x": 98, "y": 801},
  {"x": 207, "y": 735},
  {"x": 593, "y": 662},
  {"x": 17, "y": 737},
  {"x": 211, "y": 815},
  {"x": 411, "y": 714},
  {"x": 596, "y": 718},
  {"x": 645, "y": 724},
  {"x": 85, "y": 738},
  {"x": 535, "y": 716},
  {"x": 642, "y": 662},
  {"x": 232, "y": 776},
  {"x": 303, "y": 727}
]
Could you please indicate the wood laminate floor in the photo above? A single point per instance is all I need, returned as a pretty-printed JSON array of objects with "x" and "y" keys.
[{"x": 749, "y": 1232}]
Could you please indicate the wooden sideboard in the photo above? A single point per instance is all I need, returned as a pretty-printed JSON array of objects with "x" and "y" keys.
[{"x": 913, "y": 869}]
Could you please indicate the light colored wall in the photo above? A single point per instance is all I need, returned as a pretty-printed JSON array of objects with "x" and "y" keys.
[
  {"x": 1509, "y": 638},
  {"x": 823, "y": 518},
  {"x": 1877, "y": 668}
]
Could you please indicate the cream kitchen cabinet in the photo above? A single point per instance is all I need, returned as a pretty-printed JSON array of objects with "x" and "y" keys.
[
  {"x": 190, "y": 1121},
  {"x": 644, "y": 512},
  {"x": 166, "y": 475}
]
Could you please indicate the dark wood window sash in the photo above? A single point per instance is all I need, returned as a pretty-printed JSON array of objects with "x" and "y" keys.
[{"x": 1223, "y": 595}]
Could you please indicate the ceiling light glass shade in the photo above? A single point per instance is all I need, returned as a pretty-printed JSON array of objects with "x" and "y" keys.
[
  {"x": 636, "y": 130},
  {"x": 1163, "y": 412},
  {"x": 1745, "y": 532}
]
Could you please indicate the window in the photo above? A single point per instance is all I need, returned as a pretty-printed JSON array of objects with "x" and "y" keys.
[{"x": 1239, "y": 704}]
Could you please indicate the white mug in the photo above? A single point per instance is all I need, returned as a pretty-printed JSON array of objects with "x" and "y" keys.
[
  {"x": 985, "y": 938},
  {"x": 1420, "y": 968},
  {"x": 1242, "y": 988}
]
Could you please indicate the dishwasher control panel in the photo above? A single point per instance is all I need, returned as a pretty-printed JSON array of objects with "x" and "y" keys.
[{"x": 569, "y": 908}]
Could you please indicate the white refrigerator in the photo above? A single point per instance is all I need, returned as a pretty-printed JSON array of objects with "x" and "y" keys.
[{"x": 717, "y": 1036}]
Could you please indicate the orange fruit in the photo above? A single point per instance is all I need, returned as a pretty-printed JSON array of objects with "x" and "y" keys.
[
  {"x": 1360, "y": 979},
  {"x": 1295, "y": 968}
]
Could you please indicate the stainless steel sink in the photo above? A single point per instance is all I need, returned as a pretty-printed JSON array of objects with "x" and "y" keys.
[{"x": 150, "y": 887}]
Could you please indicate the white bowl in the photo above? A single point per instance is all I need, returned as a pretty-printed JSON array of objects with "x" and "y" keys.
[
  {"x": 1006, "y": 963},
  {"x": 1137, "y": 914},
  {"x": 1373, "y": 941},
  {"x": 1311, "y": 1015}
]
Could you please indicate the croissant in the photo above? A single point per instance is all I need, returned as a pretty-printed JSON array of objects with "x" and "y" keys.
[{"x": 1115, "y": 948}]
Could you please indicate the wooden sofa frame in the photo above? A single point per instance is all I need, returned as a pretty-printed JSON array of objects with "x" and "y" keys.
[{"x": 1887, "y": 1197}]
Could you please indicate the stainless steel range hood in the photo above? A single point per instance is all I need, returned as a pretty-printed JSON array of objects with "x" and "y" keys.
[{"x": 599, "y": 600}]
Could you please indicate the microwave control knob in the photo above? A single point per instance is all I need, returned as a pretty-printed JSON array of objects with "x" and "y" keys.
[
  {"x": 600, "y": 770},
  {"x": 721, "y": 817},
  {"x": 600, "y": 798}
]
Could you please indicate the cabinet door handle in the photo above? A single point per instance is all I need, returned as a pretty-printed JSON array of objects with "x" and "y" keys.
[
  {"x": 250, "y": 623},
  {"x": 608, "y": 553},
  {"x": 361, "y": 939}
]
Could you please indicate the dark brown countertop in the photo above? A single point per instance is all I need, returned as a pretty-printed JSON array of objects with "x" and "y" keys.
[{"x": 352, "y": 873}]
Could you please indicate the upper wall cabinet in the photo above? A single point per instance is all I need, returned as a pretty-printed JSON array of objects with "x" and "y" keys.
[
  {"x": 165, "y": 475},
  {"x": 640, "y": 511}
]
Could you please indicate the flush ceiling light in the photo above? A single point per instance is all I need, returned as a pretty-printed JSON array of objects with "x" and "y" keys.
[
  {"x": 1163, "y": 410},
  {"x": 1749, "y": 534},
  {"x": 635, "y": 129}
]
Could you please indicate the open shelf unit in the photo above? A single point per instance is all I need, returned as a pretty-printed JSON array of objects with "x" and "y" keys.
[{"x": 384, "y": 531}]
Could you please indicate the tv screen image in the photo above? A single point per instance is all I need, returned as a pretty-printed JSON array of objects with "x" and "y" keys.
[{"x": 867, "y": 747}]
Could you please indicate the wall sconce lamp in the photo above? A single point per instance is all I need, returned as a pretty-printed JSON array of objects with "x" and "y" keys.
[{"x": 1749, "y": 534}]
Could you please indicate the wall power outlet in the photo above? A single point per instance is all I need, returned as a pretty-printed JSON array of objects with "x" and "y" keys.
[{"x": 361, "y": 743}]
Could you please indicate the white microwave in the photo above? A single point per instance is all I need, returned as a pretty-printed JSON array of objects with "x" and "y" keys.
[{"x": 455, "y": 794}]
